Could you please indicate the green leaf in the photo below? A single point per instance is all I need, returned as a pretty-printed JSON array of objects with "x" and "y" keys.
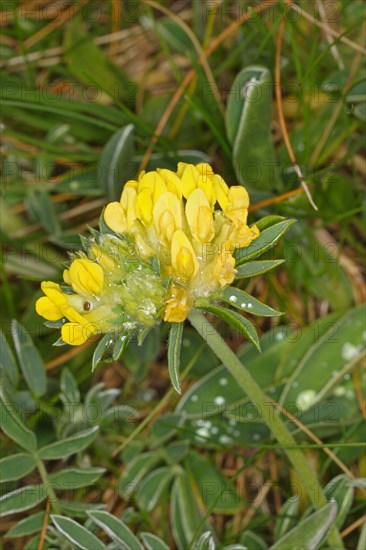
[
  {"x": 74, "y": 478},
  {"x": 152, "y": 542},
  {"x": 78, "y": 509},
  {"x": 29, "y": 359},
  {"x": 68, "y": 446},
  {"x": 287, "y": 518},
  {"x": 251, "y": 541},
  {"x": 248, "y": 124},
  {"x": 174, "y": 351},
  {"x": 268, "y": 221},
  {"x": 185, "y": 514},
  {"x": 322, "y": 361},
  {"x": 341, "y": 491},
  {"x": 69, "y": 387},
  {"x": 310, "y": 531},
  {"x": 7, "y": 362},
  {"x": 135, "y": 471},
  {"x": 152, "y": 486},
  {"x": 266, "y": 240},
  {"x": 242, "y": 300},
  {"x": 101, "y": 350},
  {"x": 238, "y": 322},
  {"x": 218, "y": 494},
  {"x": 89, "y": 64},
  {"x": 252, "y": 269},
  {"x": 22, "y": 499},
  {"x": 116, "y": 164},
  {"x": 356, "y": 99},
  {"x": 116, "y": 529},
  {"x": 27, "y": 526},
  {"x": 120, "y": 347},
  {"x": 76, "y": 533},
  {"x": 12, "y": 424},
  {"x": 16, "y": 466}
]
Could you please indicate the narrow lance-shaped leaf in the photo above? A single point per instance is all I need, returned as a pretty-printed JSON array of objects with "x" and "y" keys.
[
  {"x": 152, "y": 542},
  {"x": 27, "y": 526},
  {"x": 12, "y": 424},
  {"x": 29, "y": 359},
  {"x": 68, "y": 446},
  {"x": 16, "y": 466},
  {"x": 252, "y": 269},
  {"x": 174, "y": 349},
  {"x": 74, "y": 478},
  {"x": 7, "y": 362},
  {"x": 248, "y": 123},
  {"x": 22, "y": 499},
  {"x": 310, "y": 531},
  {"x": 266, "y": 240},
  {"x": 240, "y": 323},
  {"x": 116, "y": 164},
  {"x": 77, "y": 534},
  {"x": 244, "y": 301},
  {"x": 116, "y": 529},
  {"x": 101, "y": 350}
]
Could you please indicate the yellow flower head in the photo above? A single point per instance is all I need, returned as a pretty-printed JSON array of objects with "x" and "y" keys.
[{"x": 167, "y": 243}]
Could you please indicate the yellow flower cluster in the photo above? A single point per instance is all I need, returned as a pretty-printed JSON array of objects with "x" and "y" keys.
[
  {"x": 170, "y": 241},
  {"x": 172, "y": 215}
]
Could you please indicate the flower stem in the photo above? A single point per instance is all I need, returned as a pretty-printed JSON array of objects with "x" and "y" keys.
[{"x": 268, "y": 412}]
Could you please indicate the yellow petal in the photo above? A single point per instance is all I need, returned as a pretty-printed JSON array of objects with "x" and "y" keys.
[
  {"x": 76, "y": 334},
  {"x": 144, "y": 206},
  {"x": 115, "y": 217},
  {"x": 48, "y": 309},
  {"x": 173, "y": 183},
  {"x": 199, "y": 216},
  {"x": 205, "y": 169},
  {"x": 86, "y": 277},
  {"x": 221, "y": 191},
  {"x": 206, "y": 185},
  {"x": 131, "y": 183},
  {"x": 128, "y": 202},
  {"x": 154, "y": 182},
  {"x": 167, "y": 214},
  {"x": 178, "y": 305},
  {"x": 237, "y": 208},
  {"x": 54, "y": 293},
  {"x": 184, "y": 259},
  {"x": 223, "y": 270},
  {"x": 189, "y": 179}
]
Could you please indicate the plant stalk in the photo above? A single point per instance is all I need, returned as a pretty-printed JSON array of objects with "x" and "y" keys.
[
  {"x": 268, "y": 412},
  {"x": 49, "y": 489}
]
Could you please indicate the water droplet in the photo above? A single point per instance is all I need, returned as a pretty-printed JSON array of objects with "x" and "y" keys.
[
  {"x": 243, "y": 305},
  {"x": 219, "y": 400},
  {"x": 305, "y": 399},
  {"x": 225, "y": 439},
  {"x": 250, "y": 305},
  {"x": 223, "y": 381},
  {"x": 194, "y": 397},
  {"x": 214, "y": 430},
  {"x": 233, "y": 299},
  {"x": 202, "y": 434},
  {"x": 350, "y": 351},
  {"x": 256, "y": 437},
  {"x": 232, "y": 422}
]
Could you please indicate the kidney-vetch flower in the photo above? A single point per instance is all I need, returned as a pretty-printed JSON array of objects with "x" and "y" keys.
[{"x": 167, "y": 244}]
